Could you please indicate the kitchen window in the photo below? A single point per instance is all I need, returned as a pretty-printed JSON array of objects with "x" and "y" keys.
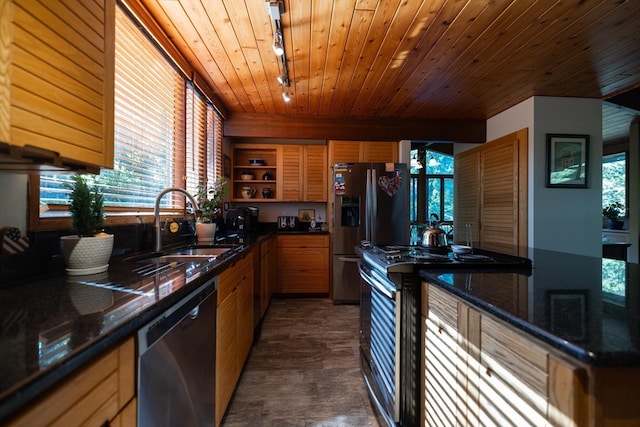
[
  {"x": 614, "y": 179},
  {"x": 166, "y": 133},
  {"x": 431, "y": 189}
]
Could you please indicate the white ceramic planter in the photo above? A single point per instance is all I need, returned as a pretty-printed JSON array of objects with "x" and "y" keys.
[
  {"x": 205, "y": 232},
  {"x": 86, "y": 255}
]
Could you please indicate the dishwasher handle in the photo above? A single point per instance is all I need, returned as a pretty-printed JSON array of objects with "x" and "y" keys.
[{"x": 188, "y": 307}]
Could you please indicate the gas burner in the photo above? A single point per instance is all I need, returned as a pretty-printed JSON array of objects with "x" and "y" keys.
[{"x": 430, "y": 257}]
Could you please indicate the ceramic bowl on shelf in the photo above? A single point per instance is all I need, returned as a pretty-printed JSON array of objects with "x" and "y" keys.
[
  {"x": 257, "y": 162},
  {"x": 246, "y": 176}
]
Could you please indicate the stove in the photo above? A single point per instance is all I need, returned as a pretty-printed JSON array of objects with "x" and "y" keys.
[{"x": 390, "y": 318}]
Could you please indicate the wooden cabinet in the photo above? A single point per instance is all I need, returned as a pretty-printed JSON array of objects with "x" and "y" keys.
[
  {"x": 298, "y": 172},
  {"x": 56, "y": 87},
  {"x": 491, "y": 193},
  {"x": 101, "y": 393},
  {"x": 264, "y": 176},
  {"x": 363, "y": 151},
  {"x": 303, "y": 264},
  {"x": 264, "y": 273},
  {"x": 479, "y": 370},
  {"x": 304, "y": 173},
  {"x": 234, "y": 329}
]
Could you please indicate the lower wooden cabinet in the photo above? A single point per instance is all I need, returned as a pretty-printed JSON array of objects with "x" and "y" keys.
[
  {"x": 234, "y": 329},
  {"x": 303, "y": 264},
  {"x": 99, "y": 394},
  {"x": 479, "y": 371}
]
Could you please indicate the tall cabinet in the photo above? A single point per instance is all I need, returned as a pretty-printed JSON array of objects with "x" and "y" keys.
[
  {"x": 490, "y": 193},
  {"x": 56, "y": 87}
]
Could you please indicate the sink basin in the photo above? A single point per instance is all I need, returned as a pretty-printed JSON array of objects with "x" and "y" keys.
[{"x": 186, "y": 254}]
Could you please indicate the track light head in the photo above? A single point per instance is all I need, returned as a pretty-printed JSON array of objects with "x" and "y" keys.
[
  {"x": 278, "y": 48},
  {"x": 285, "y": 94}
]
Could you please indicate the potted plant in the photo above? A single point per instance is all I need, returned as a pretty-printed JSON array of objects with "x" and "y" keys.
[
  {"x": 209, "y": 198},
  {"x": 612, "y": 212},
  {"x": 89, "y": 250}
]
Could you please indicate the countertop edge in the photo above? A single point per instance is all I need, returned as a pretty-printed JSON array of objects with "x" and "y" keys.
[{"x": 19, "y": 396}]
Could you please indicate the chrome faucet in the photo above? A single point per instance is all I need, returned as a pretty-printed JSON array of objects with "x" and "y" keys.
[{"x": 156, "y": 213}]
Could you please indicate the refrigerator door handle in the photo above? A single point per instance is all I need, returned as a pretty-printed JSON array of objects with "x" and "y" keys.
[
  {"x": 368, "y": 204},
  {"x": 349, "y": 259},
  {"x": 373, "y": 196}
]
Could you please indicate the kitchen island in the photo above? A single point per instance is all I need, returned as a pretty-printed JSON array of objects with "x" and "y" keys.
[{"x": 560, "y": 346}]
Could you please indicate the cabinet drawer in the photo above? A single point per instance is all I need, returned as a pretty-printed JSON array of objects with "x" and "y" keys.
[
  {"x": 310, "y": 281},
  {"x": 303, "y": 259},
  {"x": 443, "y": 306},
  {"x": 233, "y": 275},
  {"x": 507, "y": 353},
  {"x": 303, "y": 241}
]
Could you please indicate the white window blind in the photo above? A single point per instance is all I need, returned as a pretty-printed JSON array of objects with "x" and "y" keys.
[{"x": 166, "y": 132}]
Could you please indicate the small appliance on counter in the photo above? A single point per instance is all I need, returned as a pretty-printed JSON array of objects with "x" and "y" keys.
[
  {"x": 287, "y": 223},
  {"x": 243, "y": 220}
]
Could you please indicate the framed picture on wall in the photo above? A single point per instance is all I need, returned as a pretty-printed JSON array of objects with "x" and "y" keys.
[{"x": 567, "y": 160}]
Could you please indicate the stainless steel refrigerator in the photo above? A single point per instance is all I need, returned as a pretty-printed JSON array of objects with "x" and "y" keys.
[{"x": 371, "y": 202}]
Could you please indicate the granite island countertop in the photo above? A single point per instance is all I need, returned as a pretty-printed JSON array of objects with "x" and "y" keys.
[{"x": 587, "y": 307}]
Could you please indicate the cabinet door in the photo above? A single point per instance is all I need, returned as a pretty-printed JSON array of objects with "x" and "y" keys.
[
  {"x": 92, "y": 396},
  {"x": 441, "y": 407},
  {"x": 292, "y": 157},
  {"x": 513, "y": 378},
  {"x": 67, "y": 110},
  {"x": 315, "y": 173},
  {"x": 379, "y": 152},
  {"x": 245, "y": 317},
  {"x": 344, "y": 151},
  {"x": 227, "y": 371}
]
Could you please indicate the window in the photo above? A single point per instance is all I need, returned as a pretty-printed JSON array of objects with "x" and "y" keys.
[
  {"x": 166, "y": 132},
  {"x": 431, "y": 189},
  {"x": 614, "y": 179}
]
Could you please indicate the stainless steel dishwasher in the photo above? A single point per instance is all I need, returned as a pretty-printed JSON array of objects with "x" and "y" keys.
[{"x": 176, "y": 363}]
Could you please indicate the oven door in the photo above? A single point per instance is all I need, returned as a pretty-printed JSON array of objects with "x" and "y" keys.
[{"x": 379, "y": 342}]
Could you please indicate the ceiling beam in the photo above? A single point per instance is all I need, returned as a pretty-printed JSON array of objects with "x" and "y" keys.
[{"x": 349, "y": 128}]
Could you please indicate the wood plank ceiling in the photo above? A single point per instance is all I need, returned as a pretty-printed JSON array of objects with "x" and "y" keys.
[{"x": 406, "y": 59}]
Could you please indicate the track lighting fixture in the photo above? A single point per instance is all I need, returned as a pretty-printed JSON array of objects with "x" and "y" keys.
[
  {"x": 275, "y": 8},
  {"x": 278, "y": 48},
  {"x": 285, "y": 93},
  {"x": 433, "y": 162}
]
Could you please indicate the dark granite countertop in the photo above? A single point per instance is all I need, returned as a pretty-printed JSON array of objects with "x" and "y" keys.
[
  {"x": 588, "y": 308},
  {"x": 53, "y": 325}
]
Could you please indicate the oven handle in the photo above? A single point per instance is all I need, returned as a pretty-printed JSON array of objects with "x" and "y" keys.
[
  {"x": 349, "y": 259},
  {"x": 375, "y": 283}
]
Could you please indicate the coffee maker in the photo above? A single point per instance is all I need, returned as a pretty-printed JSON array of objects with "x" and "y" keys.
[{"x": 242, "y": 220}]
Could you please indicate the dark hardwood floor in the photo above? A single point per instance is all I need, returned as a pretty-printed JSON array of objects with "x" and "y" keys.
[{"x": 304, "y": 370}]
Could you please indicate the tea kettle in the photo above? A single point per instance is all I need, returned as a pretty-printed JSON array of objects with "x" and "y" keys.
[{"x": 434, "y": 237}]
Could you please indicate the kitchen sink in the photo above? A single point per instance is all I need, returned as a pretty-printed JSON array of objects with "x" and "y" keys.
[{"x": 187, "y": 254}]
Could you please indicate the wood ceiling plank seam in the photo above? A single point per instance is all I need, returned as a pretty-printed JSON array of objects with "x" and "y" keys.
[
  {"x": 382, "y": 25},
  {"x": 318, "y": 51},
  {"x": 171, "y": 14},
  {"x": 380, "y": 66},
  {"x": 300, "y": 36},
  {"x": 469, "y": 40},
  {"x": 338, "y": 34},
  {"x": 262, "y": 28},
  {"x": 498, "y": 31},
  {"x": 356, "y": 39},
  {"x": 525, "y": 56},
  {"x": 575, "y": 59},
  {"x": 255, "y": 84},
  {"x": 216, "y": 14},
  {"x": 446, "y": 14}
]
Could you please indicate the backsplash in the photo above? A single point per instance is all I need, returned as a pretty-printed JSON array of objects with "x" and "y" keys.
[{"x": 44, "y": 257}]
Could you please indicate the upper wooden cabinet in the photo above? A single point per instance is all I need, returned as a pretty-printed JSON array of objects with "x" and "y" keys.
[
  {"x": 304, "y": 173},
  {"x": 56, "y": 82},
  {"x": 295, "y": 173},
  {"x": 363, "y": 151}
]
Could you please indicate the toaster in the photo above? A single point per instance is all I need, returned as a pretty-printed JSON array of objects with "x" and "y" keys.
[{"x": 287, "y": 222}]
